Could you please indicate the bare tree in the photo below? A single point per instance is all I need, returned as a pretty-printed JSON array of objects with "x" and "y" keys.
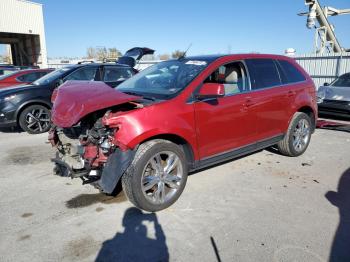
[
  {"x": 114, "y": 52},
  {"x": 91, "y": 53},
  {"x": 164, "y": 57},
  {"x": 177, "y": 54}
]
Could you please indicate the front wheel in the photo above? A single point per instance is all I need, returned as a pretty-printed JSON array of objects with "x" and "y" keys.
[
  {"x": 298, "y": 136},
  {"x": 35, "y": 119},
  {"x": 157, "y": 175}
]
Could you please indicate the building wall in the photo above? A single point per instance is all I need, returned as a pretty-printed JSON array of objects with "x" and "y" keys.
[
  {"x": 326, "y": 67},
  {"x": 24, "y": 17}
]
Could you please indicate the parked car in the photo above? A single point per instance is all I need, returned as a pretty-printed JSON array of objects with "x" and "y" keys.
[
  {"x": 179, "y": 116},
  {"x": 334, "y": 98},
  {"x": 4, "y": 70},
  {"x": 22, "y": 77},
  {"x": 29, "y": 106}
]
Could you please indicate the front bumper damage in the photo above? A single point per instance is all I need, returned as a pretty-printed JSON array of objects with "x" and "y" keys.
[{"x": 93, "y": 166}]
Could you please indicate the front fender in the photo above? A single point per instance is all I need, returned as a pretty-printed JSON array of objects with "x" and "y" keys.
[{"x": 135, "y": 127}]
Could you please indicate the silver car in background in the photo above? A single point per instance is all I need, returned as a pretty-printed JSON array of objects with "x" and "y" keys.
[{"x": 334, "y": 98}]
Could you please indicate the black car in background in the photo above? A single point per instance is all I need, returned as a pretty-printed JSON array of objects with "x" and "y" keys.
[{"x": 29, "y": 106}]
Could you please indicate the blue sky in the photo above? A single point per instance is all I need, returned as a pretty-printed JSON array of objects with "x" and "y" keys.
[{"x": 216, "y": 26}]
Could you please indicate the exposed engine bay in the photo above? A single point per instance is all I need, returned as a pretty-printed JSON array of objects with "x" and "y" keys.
[{"x": 83, "y": 149}]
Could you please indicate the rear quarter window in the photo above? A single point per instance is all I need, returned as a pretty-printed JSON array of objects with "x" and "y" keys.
[
  {"x": 289, "y": 73},
  {"x": 263, "y": 73}
]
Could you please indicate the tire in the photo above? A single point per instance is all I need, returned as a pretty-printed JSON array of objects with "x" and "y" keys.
[
  {"x": 151, "y": 186},
  {"x": 300, "y": 129},
  {"x": 35, "y": 119}
]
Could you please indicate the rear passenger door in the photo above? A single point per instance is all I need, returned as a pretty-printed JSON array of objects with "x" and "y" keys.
[
  {"x": 114, "y": 75},
  {"x": 270, "y": 98}
]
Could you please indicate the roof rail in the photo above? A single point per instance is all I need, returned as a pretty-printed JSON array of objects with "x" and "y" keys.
[{"x": 85, "y": 62}]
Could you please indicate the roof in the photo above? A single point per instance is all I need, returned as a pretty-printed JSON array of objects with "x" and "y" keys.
[{"x": 211, "y": 58}]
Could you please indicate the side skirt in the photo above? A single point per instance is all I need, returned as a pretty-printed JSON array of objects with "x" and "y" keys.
[{"x": 232, "y": 154}]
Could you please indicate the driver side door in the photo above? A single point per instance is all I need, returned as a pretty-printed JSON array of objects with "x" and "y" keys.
[{"x": 226, "y": 124}]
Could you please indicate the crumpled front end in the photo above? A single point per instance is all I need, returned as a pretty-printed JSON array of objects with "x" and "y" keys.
[{"x": 89, "y": 151}]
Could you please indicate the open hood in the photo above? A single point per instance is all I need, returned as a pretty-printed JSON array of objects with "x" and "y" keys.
[
  {"x": 76, "y": 99},
  {"x": 133, "y": 55}
]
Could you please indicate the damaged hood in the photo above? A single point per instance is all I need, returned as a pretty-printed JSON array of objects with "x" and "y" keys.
[
  {"x": 338, "y": 93},
  {"x": 76, "y": 99}
]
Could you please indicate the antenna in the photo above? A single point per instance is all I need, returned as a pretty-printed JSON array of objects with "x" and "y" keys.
[{"x": 184, "y": 54}]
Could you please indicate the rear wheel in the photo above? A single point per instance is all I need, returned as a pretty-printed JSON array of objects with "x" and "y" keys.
[
  {"x": 298, "y": 136},
  {"x": 35, "y": 119},
  {"x": 157, "y": 175}
]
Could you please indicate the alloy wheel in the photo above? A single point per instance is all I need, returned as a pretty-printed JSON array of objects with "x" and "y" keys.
[
  {"x": 301, "y": 135},
  {"x": 162, "y": 177},
  {"x": 38, "y": 120}
]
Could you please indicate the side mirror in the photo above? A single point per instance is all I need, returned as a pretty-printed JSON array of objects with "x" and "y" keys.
[
  {"x": 59, "y": 82},
  {"x": 326, "y": 84},
  {"x": 211, "y": 90}
]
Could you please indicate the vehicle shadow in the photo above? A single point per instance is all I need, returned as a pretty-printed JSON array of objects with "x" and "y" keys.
[
  {"x": 340, "y": 248},
  {"x": 134, "y": 244},
  {"x": 11, "y": 130}
]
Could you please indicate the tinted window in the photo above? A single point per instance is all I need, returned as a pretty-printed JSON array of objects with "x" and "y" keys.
[
  {"x": 343, "y": 80},
  {"x": 54, "y": 75},
  {"x": 114, "y": 74},
  {"x": 263, "y": 73},
  {"x": 289, "y": 73},
  {"x": 232, "y": 76},
  {"x": 86, "y": 73},
  {"x": 30, "y": 77}
]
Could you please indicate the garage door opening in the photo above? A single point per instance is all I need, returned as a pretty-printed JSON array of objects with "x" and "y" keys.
[{"x": 21, "y": 49}]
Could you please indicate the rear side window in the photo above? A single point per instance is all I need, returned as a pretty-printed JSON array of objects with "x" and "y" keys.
[
  {"x": 289, "y": 73},
  {"x": 263, "y": 73},
  {"x": 30, "y": 77}
]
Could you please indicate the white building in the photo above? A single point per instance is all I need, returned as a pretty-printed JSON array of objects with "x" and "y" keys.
[{"x": 22, "y": 27}]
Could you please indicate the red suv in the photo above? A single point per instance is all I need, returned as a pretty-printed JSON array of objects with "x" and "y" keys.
[{"x": 179, "y": 116}]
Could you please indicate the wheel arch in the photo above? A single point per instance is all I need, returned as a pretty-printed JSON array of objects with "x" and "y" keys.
[
  {"x": 30, "y": 103},
  {"x": 180, "y": 141},
  {"x": 311, "y": 113}
]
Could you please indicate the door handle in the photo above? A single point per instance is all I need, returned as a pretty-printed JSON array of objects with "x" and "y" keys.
[
  {"x": 291, "y": 93},
  {"x": 248, "y": 102}
]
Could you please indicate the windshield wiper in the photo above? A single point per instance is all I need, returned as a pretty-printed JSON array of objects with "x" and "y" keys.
[
  {"x": 138, "y": 94},
  {"x": 131, "y": 93},
  {"x": 149, "y": 98}
]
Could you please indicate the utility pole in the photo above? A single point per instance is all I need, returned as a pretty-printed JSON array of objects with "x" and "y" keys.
[{"x": 325, "y": 38}]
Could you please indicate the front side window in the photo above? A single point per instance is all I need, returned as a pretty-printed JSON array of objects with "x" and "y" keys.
[
  {"x": 53, "y": 76},
  {"x": 164, "y": 80},
  {"x": 263, "y": 73},
  {"x": 233, "y": 76},
  {"x": 86, "y": 73},
  {"x": 343, "y": 80},
  {"x": 115, "y": 74}
]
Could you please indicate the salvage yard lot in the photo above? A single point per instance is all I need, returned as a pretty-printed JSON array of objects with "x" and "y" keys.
[{"x": 262, "y": 207}]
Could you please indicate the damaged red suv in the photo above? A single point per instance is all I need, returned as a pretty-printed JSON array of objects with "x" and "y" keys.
[{"x": 179, "y": 116}]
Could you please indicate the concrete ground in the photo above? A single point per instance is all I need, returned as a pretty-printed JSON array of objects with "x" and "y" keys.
[{"x": 263, "y": 207}]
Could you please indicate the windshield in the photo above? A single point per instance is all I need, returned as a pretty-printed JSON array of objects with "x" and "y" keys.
[
  {"x": 163, "y": 80},
  {"x": 51, "y": 76},
  {"x": 343, "y": 81}
]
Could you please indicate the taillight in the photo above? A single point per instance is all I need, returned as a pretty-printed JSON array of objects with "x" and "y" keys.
[{"x": 54, "y": 95}]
